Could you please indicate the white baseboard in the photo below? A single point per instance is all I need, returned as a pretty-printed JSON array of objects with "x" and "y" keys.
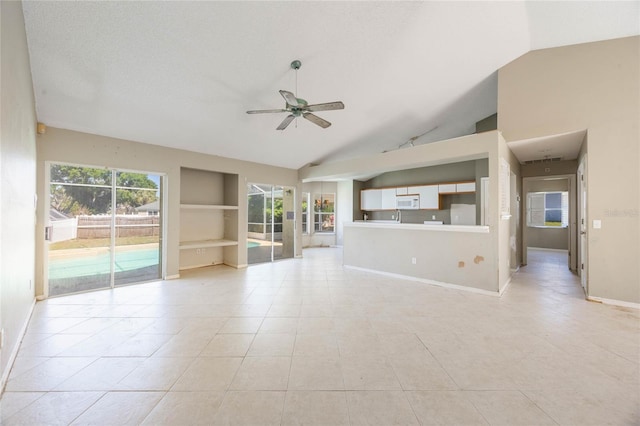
[
  {"x": 548, "y": 249},
  {"x": 427, "y": 281},
  {"x": 237, "y": 266},
  {"x": 614, "y": 302},
  {"x": 506, "y": 285},
  {"x": 172, "y": 277},
  {"x": 14, "y": 351}
]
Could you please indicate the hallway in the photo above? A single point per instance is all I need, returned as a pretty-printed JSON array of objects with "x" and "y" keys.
[{"x": 308, "y": 341}]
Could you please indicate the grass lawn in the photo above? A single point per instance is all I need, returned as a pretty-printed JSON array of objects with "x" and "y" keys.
[{"x": 101, "y": 242}]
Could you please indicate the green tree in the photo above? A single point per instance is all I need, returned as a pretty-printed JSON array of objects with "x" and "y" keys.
[{"x": 86, "y": 190}]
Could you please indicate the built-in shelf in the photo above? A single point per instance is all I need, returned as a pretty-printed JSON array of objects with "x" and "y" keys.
[
  {"x": 208, "y": 207},
  {"x": 187, "y": 245}
]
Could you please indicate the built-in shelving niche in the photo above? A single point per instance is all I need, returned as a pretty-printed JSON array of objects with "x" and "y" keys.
[{"x": 208, "y": 218}]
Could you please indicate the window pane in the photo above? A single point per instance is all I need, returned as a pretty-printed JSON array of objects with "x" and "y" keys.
[
  {"x": 548, "y": 209},
  {"x": 553, "y": 217},
  {"x": 553, "y": 200},
  {"x": 324, "y": 207},
  {"x": 305, "y": 212}
]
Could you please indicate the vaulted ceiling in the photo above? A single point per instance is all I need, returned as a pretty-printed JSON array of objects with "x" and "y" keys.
[{"x": 183, "y": 74}]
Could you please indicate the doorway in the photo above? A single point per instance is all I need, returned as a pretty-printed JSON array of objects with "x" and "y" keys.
[
  {"x": 104, "y": 228},
  {"x": 550, "y": 219},
  {"x": 271, "y": 223}
]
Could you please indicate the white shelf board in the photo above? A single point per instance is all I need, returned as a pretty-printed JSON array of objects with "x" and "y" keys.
[
  {"x": 208, "y": 207},
  {"x": 186, "y": 245}
]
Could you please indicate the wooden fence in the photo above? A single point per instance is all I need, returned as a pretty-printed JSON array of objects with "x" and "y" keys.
[{"x": 90, "y": 227}]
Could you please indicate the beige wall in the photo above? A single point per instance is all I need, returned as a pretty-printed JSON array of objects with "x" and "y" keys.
[
  {"x": 460, "y": 258},
  {"x": 67, "y": 146},
  {"x": 508, "y": 241},
  {"x": 18, "y": 185},
  {"x": 593, "y": 86},
  {"x": 498, "y": 248}
]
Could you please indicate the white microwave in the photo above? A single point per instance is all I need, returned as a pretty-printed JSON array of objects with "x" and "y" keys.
[{"x": 408, "y": 202}]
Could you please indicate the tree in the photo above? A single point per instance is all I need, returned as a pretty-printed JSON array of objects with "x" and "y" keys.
[{"x": 86, "y": 190}]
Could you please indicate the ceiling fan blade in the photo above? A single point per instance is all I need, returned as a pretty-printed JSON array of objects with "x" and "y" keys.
[
  {"x": 325, "y": 107},
  {"x": 316, "y": 120},
  {"x": 288, "y": 119},
  {"x": 262, "y": 111},
  {"x": 290, "y": 98}
]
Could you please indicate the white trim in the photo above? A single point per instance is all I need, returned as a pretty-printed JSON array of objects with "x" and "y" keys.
[
  {"x": 548, "y": 249},
  {"x": 506, "y": 285},
  {"x": 14, "y": 352},
  {"x": 419, "y": 227},
  {"x": 427, "y": 281},
  {"x": 172, "y": 277},
  {"x": 614, "y": 302}
]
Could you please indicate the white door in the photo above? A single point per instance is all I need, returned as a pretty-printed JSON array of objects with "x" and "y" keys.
[{"x": 583, "y": 223}]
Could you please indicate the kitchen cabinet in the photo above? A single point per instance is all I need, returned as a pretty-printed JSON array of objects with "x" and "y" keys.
[
  {"x": 385, "y": 198},
  {"x": 429, "y": 196},
  {"x": 447, "y": 188},
  {"x": 388, "y": 199},
  {"x": 466, "y": 187},
  {"x": 371, "y": 199}
]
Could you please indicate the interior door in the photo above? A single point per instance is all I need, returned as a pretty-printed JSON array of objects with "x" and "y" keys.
[{"x": 584, "y": 224}]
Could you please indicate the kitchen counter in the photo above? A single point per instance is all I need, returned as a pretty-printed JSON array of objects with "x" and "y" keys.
[
  {"x": 392, "y": 224},
  {"x": 456, "y": 256}
]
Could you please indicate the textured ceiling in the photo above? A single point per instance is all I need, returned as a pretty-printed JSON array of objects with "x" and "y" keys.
[{"x": 182, "y": 74}]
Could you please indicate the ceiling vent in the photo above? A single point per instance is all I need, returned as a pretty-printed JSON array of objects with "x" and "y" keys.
[{"x": 543, "y": 160}]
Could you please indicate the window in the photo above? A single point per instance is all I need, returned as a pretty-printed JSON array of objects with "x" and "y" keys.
[
  {"x": 305, "y": 213},
  {"x": 324, "y": 212},
  {"x": 548, "y": 209}
]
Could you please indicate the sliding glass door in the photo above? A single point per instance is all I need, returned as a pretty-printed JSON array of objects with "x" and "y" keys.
[
  {"x": 92, "y": 245},
  {"x": 271, "y": 223}
]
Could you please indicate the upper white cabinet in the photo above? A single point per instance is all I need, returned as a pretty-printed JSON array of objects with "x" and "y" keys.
[
  {"x": 466, "y": 187},
  {"x": 429, "y": 196},
  {"x": 447, "y": 188},
  {"x": 385, "y": 198},
  {"x": 388, "y": 199},
  {"x": 371, "y": 199}
]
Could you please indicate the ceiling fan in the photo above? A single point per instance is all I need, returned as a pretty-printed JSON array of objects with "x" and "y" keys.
[{"x": 297, "y": 107}]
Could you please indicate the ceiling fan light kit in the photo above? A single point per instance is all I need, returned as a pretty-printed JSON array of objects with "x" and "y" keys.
[{"x": 298, "y": 107}]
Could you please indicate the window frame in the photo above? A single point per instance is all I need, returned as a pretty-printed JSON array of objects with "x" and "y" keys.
[
  {"x": 533, "y": 205},
  {"x": 319, "y": 215}
]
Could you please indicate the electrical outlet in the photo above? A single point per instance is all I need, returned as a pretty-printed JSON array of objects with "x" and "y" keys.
[
  {"x": 413, "y": 260},
  {"x": 198, "y": 252}
]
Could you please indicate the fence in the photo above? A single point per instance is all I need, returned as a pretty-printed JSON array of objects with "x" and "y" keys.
[
  {"x": 63, "y": 230},
  {"x": 90, "y": 227}
]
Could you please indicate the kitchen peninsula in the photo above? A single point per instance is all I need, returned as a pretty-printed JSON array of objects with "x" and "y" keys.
[{"x": 459, "y": 256}]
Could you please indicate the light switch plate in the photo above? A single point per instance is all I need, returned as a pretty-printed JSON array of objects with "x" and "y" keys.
[{"x": 597, "y": 224}]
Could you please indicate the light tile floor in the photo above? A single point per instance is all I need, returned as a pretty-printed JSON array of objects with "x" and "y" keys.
[{"x": 307, "y": 341}]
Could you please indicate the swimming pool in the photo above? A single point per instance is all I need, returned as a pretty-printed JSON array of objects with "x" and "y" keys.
[{"x": 99, "y": 263}]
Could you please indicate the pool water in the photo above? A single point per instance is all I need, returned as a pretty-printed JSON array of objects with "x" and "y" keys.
[{"x": 100, "y": 263}]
